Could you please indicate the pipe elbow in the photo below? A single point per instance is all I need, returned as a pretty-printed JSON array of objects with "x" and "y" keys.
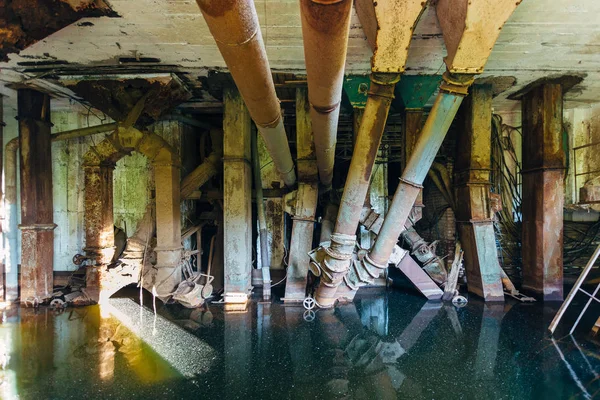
[{"x": 12, "y": 145}]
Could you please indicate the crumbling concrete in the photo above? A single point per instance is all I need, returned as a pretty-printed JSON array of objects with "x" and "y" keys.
[{"x": 24, "y": 22}]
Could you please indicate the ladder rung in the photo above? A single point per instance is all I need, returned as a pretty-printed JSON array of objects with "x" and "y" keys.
[{"x": 589, "y": 295}]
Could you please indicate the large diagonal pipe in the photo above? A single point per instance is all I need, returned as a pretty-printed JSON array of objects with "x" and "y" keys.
[
  {"x": 452, "y": 91},
  {"x": 234, "y": 26},
  {"x": 325, "y": 25},
  {"x": 395, "y": 21},
  {"x": 339, "y": 253},
  {"x": 470, "y": 31}
]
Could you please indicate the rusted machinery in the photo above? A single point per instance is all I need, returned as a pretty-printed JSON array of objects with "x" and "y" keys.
[{"x": 470, "y": 30}]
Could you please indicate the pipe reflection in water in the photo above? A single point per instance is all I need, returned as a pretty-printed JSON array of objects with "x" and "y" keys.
[{"x": 402, "y": 347}]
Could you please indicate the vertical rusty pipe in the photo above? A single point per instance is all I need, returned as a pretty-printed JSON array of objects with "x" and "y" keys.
[
  {"x": 234, "y": 26},
  {"x": 452, "y": 91},
  {"x": 339, "y": 254},
  {"x": 10, "y": 228},
  {"x": 325, "y": 26},
  {"x": 262, "y": 221}
]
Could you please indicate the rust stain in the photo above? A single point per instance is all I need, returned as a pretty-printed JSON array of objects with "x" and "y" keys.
[
  {"x": 326, "y": 17},
  {"x": 216, "y": 8}
]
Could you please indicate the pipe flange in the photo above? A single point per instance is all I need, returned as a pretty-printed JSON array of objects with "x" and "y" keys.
[
  {"x": 325, "y": 109},
  {"x": 350, "y": 284},
  {"x": 342, "y": 239},
  {"x": 456, "y": 83},
  {"x": 340, "y": 268},
  {"x": 384, "y": 78},
  {"x": 361, "y": 267},
  {"x": 338, "y": 255},
  {"x": 326, "y": 276},
  {"x": 373, "y": 263},
  {"x": 314, "y": 268},
  {"x": 410, "y": 183},
  {"x": 272, "y": 124}
]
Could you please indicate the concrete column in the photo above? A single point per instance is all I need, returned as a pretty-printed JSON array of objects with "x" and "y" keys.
[
  {"x": 168, "y": 225},
  {"x": 99, "y": 223},
  {"x": 306, "y": 202},
  {"x": 543, "y": 191},
  {"x": 37, "y": 242},
  {"x": 10, "y": 223},
  {"x": 237, "y": 187},
  {"x": 472, "y": 185}
]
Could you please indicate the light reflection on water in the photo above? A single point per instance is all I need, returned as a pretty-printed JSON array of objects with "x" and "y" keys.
[{"x": 386, "y": 346}]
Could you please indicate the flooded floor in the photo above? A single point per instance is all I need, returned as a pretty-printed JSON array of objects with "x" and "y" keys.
[{"x": 391, "y": 345}]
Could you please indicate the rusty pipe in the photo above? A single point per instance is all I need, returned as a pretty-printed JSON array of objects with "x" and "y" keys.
[
  {"x": 209, "y": 167},
  {"x": 339, "y": 253},
  {"x": 325, "y": 27},
  {"x": 81, "y": 132},
  {"x": 453, "y": 89},
  {"x": 10, "y": 224},
  {"x": 235, "y": 28}
]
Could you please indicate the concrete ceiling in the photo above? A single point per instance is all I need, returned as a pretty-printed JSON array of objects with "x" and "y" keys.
[{"x": 542, "y": 38}]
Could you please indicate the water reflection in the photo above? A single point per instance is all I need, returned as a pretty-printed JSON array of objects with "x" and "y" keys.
[
  {"x": 58, "y": 355},
  {"x": 386, "y": 346}
]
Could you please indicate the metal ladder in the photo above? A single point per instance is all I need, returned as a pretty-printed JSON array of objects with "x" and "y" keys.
[{"x": 573, "y": 292}]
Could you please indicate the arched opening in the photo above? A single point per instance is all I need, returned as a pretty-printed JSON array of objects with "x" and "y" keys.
[{"x": 100, "y": 164}]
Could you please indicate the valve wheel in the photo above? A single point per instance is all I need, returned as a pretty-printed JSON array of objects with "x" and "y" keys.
[
  {"x": 309, "y": 303},
  {"x": 459, "y": 301},
  {"x": 309, "y": 315},
  {"x": 78, "y": 259}
]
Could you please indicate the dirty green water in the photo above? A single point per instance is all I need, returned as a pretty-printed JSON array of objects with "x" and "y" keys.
[{"x": 393, "y": 345}]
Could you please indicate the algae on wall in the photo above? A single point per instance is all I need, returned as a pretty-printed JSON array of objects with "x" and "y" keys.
[
  {"x": 132, "y": 186},
  {"x": 132, "y": 179}
]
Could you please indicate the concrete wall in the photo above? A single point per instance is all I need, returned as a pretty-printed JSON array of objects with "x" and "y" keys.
[
  {"x": 583, "y": 126},
  {"x": 132, "y": 180}
]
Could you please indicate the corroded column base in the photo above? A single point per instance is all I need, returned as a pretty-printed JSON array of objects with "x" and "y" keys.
[
  {"x": 481, "y": 260},
  {"x": 37, "y": 279}
]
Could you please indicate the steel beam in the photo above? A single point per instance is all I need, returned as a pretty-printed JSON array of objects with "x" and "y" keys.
[
  {"x": 543, "y": 191},
  {"x": 473, "y": 208},
  {"x": 37, "y": 225},
  {"x": 237, "y": 186}
]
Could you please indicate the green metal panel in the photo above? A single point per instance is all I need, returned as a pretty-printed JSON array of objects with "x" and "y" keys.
[
  {"x": 356, "y": 88},
  {"x": 413, "y": 91}
]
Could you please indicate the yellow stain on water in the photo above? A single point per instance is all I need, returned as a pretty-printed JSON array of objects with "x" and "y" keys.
[{"x": 42, "y": 347}]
